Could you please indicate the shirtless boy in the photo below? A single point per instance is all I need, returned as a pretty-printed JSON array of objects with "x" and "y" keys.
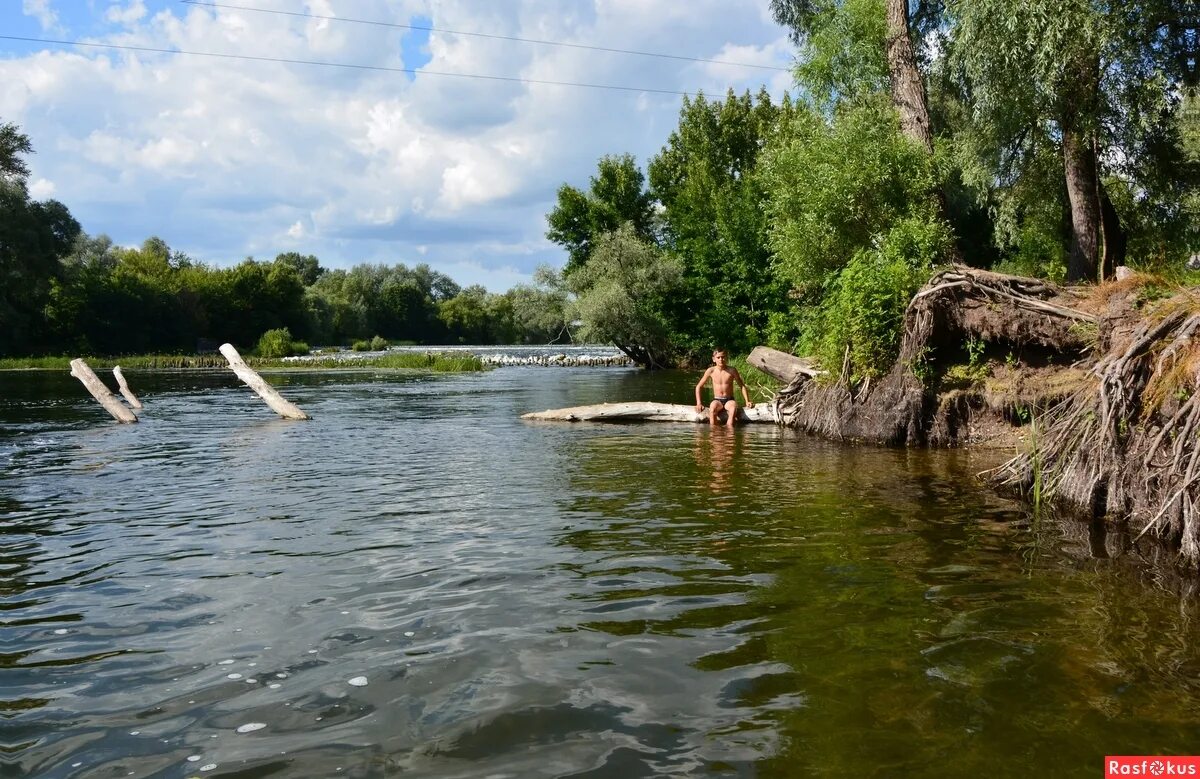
[{"x": 723, "y": 378}]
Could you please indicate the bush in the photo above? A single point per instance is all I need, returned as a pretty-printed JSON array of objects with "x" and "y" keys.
[
  {"x": 861, "y": 318},
  {"x": 275, "y": 343},
  {"x": 378, "y": 344}
]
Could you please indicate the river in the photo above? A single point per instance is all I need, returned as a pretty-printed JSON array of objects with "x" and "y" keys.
[{"x": 416, "y": 582}]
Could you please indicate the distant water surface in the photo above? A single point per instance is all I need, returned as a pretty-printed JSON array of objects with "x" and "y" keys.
[{"x": 418, "y": 583}]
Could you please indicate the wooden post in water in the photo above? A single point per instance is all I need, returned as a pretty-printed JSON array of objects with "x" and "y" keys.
[
  {"x": 81, "y": 371},
  {"x": 255, "y": 382},
  {"x": 125, "y": 391}
]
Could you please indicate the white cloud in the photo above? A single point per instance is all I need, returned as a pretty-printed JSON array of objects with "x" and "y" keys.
[
  {"x": 41, "y": 10},
  {"x": 135, "y": 11},
  {"x": 224, "y": 157},
  {"x": 41, "y": 189}
]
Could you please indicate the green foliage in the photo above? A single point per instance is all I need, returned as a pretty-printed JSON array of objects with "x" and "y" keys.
[
  {"x": 437, "y": 362},
  {"x": 14, "y": 144},
  {"x": 33, "y": 236},
  {"x": 842, "y": 56},
  {"x": 275, "y": 343},
  {"x": 713, "y": 222},
  {"x": 621, "y": 293},
  {"x": 616, "y": 196},
  {"x": 539, "y": 311},
  {"x": 835, "y": 186},
  {"x": 856, "y": 327}
]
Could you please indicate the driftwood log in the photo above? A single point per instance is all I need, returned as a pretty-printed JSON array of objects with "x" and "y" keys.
[
  {"x": 282, "y": 407},
  {"x": 81, "y": 371},
  {"x": 646, "y": 412},
  {"x": 781, "y": 365},
  {"x": 126, "y": 393}
]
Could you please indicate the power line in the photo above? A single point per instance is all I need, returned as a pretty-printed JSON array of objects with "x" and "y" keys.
[
  {"x": 398, "y": 25},
  {"x": 346, "y": 65}
]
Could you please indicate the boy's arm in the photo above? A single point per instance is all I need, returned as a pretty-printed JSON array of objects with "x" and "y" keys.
[
  {"x": 745, "y": 392},
  {"x": 700, "y": 386}
]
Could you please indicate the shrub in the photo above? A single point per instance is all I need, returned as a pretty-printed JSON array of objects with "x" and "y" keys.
[
  {"x": 861, "y": 318},
  {"x": 275, "y": 343},
  {"x": 378, "y": 344}
]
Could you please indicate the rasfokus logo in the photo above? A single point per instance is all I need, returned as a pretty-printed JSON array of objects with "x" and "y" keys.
[{"x": 1151, "y": 765}]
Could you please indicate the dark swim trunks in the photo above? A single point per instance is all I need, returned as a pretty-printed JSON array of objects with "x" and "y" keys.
[{"x": 722, "y": 401}]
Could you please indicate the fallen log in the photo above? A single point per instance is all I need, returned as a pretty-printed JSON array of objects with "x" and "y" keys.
[
  {"x": 781, "y": 365},
  {"x": 126, "y": 393},
  {"x": 282, "y": 407},
  {"x": 646, "y": 412},
  {"x": 81, "y": 371}
]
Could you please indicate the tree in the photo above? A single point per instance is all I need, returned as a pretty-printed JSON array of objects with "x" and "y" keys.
[
  {"x": 707, "y": 181},
  {"x": 33, "y": 236},
  {"x": 539, "y": 310},
  {"x": 1091, "y": 76},
  {"x": 306, "y": 266},
  {"x": 621, "y": 294},
  {"x": 617, "y": 195},
  {"x": 13, "y": 144}
]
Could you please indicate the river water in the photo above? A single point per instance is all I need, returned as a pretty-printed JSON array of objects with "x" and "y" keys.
[{"x": 418, "y": 583}]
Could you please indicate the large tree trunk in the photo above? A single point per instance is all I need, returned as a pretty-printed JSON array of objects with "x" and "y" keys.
[
  {"x": 908, "y": 95},
  {"x": 1079, "y": 162},
  {"x": 908, "y": 88},
  {"x": 1079, "y": 101}
]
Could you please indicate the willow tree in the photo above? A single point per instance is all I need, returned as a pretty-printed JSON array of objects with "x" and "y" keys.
[
  {"x": 1090, "y": 75},
  {"x": 862, "y": 44},
  {"x": 621, "y": 293}
]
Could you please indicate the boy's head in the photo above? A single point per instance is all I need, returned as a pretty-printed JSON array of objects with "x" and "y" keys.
[{"x": 720, "y": 357}]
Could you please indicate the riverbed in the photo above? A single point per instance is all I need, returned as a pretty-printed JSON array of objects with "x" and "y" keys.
[{"x": 416, "y": 582}]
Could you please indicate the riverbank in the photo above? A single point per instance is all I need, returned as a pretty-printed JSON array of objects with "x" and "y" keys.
[{"x": 1094, "y": 388}]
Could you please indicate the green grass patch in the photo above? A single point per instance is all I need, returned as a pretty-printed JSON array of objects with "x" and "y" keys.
[{"x": 436, "y": 362}]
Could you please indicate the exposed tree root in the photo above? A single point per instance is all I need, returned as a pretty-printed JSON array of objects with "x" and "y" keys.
[
  {"x": 1113, "y": 449},
  {"x": 1120, "y": 438},
  {"x": 957, "y": 304}
]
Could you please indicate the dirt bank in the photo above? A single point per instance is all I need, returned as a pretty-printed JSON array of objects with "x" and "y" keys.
[{"x": 1094, "y": 388}]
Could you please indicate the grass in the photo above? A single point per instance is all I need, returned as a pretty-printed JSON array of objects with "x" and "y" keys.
[
  {"x": 763, "y": 386},
  {"x": 428, "y": 361}
]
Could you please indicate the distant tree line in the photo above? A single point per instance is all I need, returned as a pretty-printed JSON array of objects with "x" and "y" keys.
[
  {"x": 63, "y": 291},
  {"x": 1041, "y": 138}
]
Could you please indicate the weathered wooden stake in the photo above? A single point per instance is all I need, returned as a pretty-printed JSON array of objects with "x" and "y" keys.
[
  {"x": 283, "y": 408},
  {"x": 125, "y": 391},
  {"x": 81, "y": 371}
]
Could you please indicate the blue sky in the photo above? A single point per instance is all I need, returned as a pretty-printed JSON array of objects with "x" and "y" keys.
[{"x": 227, "y": 158}]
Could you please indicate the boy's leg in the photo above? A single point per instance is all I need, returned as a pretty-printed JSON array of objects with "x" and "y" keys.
[
  {"x": 713, "y": 408},
  {"x": 731, "y": 409}
]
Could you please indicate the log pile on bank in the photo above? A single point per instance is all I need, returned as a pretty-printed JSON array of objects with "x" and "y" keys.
[{"x": 1105, "y": 383}]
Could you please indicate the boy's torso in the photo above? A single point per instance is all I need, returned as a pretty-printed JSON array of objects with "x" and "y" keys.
[{"x": 722, "y": 380}]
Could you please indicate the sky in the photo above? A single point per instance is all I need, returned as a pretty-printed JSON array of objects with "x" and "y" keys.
[{"x": 225, "y": 158}]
